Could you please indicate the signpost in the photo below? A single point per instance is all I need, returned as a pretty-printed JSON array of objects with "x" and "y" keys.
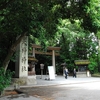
[{"x": 51, "y": 72}]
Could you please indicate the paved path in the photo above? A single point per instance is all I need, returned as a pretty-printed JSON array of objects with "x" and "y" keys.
[{"x": 42, "y": 82}]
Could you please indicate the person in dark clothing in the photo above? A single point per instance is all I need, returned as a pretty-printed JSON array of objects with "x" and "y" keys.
[
  {"x": 74, "y": 73},
  {"x": 65, "y": 72}
]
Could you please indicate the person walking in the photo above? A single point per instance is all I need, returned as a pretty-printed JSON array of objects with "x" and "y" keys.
[
  {"x": 66, "y": 72},
  {"x": 74, "y": 73}
]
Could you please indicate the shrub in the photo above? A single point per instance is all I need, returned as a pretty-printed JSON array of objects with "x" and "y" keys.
[
  {"x": 93, "y": 67},
  {"x": 5, "y": 78}
]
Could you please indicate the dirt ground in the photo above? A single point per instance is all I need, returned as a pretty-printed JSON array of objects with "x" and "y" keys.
[
  {"x": 82, "y": 91},
  {"x": 10, "y": 92},
  {"x": 46, "y": 92}
]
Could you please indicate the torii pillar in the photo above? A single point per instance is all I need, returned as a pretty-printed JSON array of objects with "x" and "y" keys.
[
  {"x": 53, "y": 56},
  {"x": 33, "y": 48},
  {"x": 53, "y": 60},
  {"x": 34, "y": 51}
]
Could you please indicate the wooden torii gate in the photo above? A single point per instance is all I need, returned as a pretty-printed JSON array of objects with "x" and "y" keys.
[{"x": 52, "y": 53}]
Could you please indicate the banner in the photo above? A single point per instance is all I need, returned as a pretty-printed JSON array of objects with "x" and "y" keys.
[{"x": 51, "y": 72}]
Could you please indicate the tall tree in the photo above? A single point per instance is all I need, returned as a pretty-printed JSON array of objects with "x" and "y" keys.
[
  {"x": 20, "y": 18},
  {"x": 75, "y": 42},
  {"x": 39, "y": 18}
]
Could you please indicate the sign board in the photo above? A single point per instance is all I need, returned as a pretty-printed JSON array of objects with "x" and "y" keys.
[{"x": 51, "y": 72}]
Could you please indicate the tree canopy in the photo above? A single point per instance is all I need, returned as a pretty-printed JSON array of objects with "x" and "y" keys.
[{"x": 40, "y": 19}]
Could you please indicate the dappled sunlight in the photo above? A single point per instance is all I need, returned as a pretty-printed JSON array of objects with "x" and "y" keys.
[
  {"x": 92, "y": 86},
  {"x": 87, "y": 86}
]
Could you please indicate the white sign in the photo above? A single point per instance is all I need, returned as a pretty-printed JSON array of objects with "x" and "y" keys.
[{"x": 51, "y": 72}]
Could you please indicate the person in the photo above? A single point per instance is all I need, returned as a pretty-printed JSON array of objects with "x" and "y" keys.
[
  {"x": 74, "y": 73},
  {"x": 66, "y": 72}
]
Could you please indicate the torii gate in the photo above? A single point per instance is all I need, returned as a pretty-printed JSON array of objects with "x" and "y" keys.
[{"x": 53, "y": 53}]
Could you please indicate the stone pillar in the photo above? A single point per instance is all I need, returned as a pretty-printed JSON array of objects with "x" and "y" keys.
[
  {"x": 33, "y": 53},
  {"x": 21, "y": 68},
  {"x": 53, "y": 60}
]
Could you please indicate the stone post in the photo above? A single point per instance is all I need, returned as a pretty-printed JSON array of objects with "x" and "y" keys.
[
  {"x": 21, "y": 66},
  {"x": 33, "y": 53},
  {"x": 53, "y": 60}
]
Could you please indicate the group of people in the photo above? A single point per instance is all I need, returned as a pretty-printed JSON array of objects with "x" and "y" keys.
[{"x": 66, "y": 72}]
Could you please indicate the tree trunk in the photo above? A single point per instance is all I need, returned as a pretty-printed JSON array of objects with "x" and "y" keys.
[{"x": 12, "y": 50}]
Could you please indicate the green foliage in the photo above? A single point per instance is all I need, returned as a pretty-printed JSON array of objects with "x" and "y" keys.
[
  {"x": 91, "y": 19},
  {"x": 25, "y": 16},
  {"x": 5, "y": 78},
  {"x": 39, "y": 19},
  {"x": 59, "y": 68},
  {"x": 93, "y": 66},
  {"x": 75, "y": 42}
]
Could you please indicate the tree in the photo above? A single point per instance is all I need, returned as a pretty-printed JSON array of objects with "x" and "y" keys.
[
  {"x": 39, "y": 18},
  {"x": 12, "y": 26},
  {"x": 93, "y": 10},
  {"x": 75, "y": 42},
  {"x": 20, "y": 18}
]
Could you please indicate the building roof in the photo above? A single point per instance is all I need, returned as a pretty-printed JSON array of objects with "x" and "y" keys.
[
  {"x": 81, "y": 62},
  {"x": 31, "y": 58}
]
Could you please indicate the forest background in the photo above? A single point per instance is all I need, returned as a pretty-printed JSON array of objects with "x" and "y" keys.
[{"x": 73, "y": 25}]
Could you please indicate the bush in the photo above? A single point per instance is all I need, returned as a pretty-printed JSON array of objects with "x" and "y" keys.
[
  {"x": 5, "y": 78},
  {"x": 93, "y": 67},
  {"x": 96, "y": 75}
]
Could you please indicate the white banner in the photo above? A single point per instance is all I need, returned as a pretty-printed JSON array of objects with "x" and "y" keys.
[{"x": 51, "y": 72}]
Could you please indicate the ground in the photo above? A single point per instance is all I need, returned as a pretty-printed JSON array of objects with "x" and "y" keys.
[
  {"x": 79, "y": 91},
  {"x": 10, "y": 92}
]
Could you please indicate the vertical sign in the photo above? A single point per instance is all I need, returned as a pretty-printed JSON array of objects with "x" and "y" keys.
[
  {"x": 51, "y": 72},
  {"x": 24, "y": 56},
  {"x": 21, "y": 68}
]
